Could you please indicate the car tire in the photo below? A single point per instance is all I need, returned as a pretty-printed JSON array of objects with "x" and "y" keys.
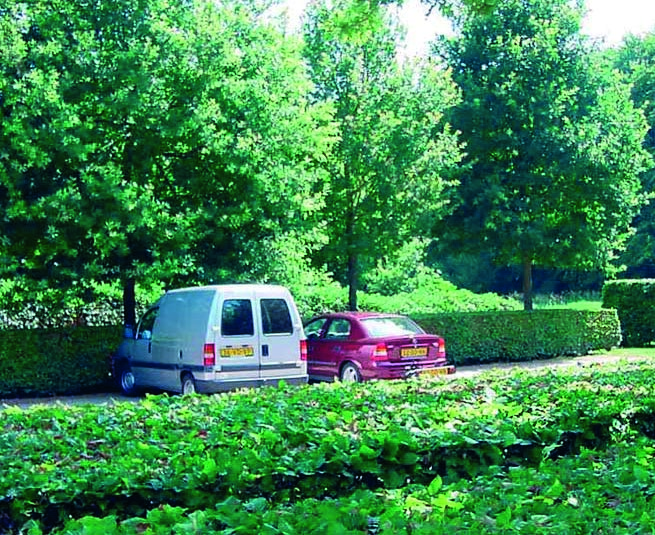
[
  {"x": 127, "y": 381},
  {"x": 350, "y": 374},
  {"x": 188, "y": 384}
]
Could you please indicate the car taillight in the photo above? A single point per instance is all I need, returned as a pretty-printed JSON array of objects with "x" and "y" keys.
[
  {"x": 208, "y": 355},
  {"x": 380, "y": 353},
  {"x": 440, "y": 345},
  {"x": 303, "y": 349}
]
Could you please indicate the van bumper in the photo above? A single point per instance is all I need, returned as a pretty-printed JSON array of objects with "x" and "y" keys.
[{"x": 214, "y": 387}]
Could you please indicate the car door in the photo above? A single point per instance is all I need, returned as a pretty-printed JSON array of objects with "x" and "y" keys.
[
  {"x": 329, "y": 349},
  {"x": 237, "y": 350}
]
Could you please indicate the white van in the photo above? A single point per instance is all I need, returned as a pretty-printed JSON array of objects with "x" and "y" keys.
[{"x": 215, "y": 338}]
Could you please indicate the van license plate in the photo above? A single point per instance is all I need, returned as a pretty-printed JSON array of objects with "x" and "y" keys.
[{"x": 231, "y": 352}]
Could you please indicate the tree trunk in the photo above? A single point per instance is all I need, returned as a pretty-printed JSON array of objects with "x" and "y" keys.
[
  {"x": 129, "y": 302},
  {"x": 352, "y": 281},
  {"x": 527, "y": 283}
]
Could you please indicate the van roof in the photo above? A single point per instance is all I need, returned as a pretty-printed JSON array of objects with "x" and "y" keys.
[{"x": 231, "y": 287}]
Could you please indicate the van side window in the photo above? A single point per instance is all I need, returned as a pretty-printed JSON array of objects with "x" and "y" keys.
[
  {"x": 144, "y": 331},
  {"x": 276, "y": 318},
  {"x": 236, "y": 318}
]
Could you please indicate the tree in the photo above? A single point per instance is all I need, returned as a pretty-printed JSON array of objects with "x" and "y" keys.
[
  {"x": 636, "y": 59},
  {"x": 389, "y": 173},
  {"x": 553, "y": 142},
  {"x": 144, "y": 139}
]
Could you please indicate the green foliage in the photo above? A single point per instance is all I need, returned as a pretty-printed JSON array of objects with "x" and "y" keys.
[
  {"x": 337, "y": 458},
  {"x": 431, "y": 294},
  {"x": 71, "y": 360},
  {"x": 634, "y": 301},
  {"x": 474, "y": 338},
  {"x": 553, "y": 141},
  {"x": 151, "y": 140},
  {"x": 28, "y": 304},
  {"x": 391, "y": 172},
  {"x": 636, "y": 59}
]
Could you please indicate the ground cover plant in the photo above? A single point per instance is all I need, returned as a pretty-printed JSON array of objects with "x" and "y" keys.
[{"x": 179, "y": 460}]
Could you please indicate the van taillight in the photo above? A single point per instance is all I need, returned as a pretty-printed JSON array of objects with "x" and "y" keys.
[
  {"x": 209, "y": 355},
  {"x": 380, "y": 352},
  {"x": 303, "y": 349}
]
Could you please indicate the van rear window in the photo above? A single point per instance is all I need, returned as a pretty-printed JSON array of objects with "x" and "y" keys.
[
  {"x": 276, "y": 318},
  {"x": 236, "y": 318}
]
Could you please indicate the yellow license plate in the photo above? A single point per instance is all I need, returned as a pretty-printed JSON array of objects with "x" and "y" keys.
[
  {"x": 245, "y": 351},
  {"x": 413, "y": 351},
  {"x": 436, "y": 371}
]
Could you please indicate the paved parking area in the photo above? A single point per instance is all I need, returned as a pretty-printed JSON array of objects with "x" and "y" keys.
[{"x": 462, "y": 371}]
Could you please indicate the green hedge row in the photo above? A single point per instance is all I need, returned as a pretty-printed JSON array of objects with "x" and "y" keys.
[
  {"x": 634, "y": 301},
  {"x": 288, "y": 444},
  {"x": 69, "y": 360},
  {"x": 507, "y": 336}
]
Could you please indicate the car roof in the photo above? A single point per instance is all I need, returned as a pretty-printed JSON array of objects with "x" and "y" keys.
[{"x": 359, "y": 315}]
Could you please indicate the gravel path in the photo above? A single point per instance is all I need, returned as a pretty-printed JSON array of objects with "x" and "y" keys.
[{"x": 462, "y": 371}]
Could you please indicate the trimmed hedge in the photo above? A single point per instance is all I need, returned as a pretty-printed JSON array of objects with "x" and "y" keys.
[
  {"x": 634, "y": 300},
  {"x": 482, "y": 337},
  {"x": 43, "y": 362}
]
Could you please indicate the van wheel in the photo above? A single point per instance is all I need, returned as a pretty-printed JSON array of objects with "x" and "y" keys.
[
  {"x": 188, "y": 384},
  {"x": 350, "y": 374},
  {"x": 127, "y": 381}
]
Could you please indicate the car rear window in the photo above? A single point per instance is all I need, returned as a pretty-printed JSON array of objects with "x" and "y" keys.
[{"x": 391, "y": 326}]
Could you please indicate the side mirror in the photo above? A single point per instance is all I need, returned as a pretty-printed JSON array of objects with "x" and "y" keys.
[{"x": 146, "y": 335}]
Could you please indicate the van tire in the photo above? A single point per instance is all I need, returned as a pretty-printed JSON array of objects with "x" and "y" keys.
[
  {"x": 350, "y": 374},
  {"x": 188, "y": 384},
  {"x": 126, "y": 380}
]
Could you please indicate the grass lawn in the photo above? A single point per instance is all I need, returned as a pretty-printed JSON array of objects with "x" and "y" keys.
[{"x": 632, "y": 352}]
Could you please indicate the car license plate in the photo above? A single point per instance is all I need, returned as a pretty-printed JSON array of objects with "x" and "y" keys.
[
  {"x": 436, "y": 371},
  {"x": 245, "y": 351},
  {"x": 413, "y": 351}
]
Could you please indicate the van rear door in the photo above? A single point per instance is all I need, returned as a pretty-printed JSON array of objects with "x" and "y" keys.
[
  {"x": 281, "y": 332},
  {"x": 237, "y": 348}
]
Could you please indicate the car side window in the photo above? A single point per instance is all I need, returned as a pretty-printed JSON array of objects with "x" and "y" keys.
[
  {"x": 236, "y": 318},
  {"x": 147, "y": 324},
  {"x": 313, "y": 328},
  {"x": 276, "y": 318},
  {"x": 339, "y": 329}
]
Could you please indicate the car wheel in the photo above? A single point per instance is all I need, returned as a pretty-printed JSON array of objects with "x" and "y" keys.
[
  {"x": 350, "y": 374},
  {"x": 126, "y": 380},
  {"x": 188, "y": 384}
]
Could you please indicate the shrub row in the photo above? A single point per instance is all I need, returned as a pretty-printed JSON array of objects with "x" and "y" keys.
[
  {"x": 506, "y": 336},
  {"x": 73, "y": 360},
  {"x": 635, "y": 302},
  {"x": 69, "y": 360},
  {"x": 558, "y": 497},
  {"x": 289, "y": 444}
]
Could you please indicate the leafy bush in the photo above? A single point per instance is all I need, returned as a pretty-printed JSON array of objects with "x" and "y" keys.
[
  {"x": 69, "y": 360},
  {"x": 634, "y": 301},
  {"x": 480, "y": 337},
  {"x": 558, "y": 497},
  {"x": 28, "y": 305},
  {"x": 254, "y": 449},
  {"x": 434, "y": 294}
]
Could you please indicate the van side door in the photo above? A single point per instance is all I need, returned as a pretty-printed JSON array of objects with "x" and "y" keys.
[
  {"x": 280, "y": 340},
  {"x": 141, "y": 360},
  {"x": 237, "y": 351}
]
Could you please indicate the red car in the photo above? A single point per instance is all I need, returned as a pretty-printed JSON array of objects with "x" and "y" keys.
[{"x": 359, "y": 346}]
